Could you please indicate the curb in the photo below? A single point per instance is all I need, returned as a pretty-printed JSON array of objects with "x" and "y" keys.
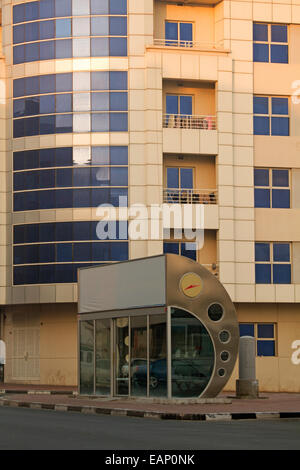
[
  {"x": 37, "y": 392},
  {"x": 212, "y": 417}
]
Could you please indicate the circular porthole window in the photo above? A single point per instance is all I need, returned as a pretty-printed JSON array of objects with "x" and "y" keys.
[
  {"x": 215, "y": 312},
  {"x": 224, "y": 336},
  {"x": 224, "y": 356},
  {"x": 221, "y": 372}
]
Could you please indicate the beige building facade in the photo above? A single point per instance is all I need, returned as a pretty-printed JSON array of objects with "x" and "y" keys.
[{"x": 160, "y": 102}]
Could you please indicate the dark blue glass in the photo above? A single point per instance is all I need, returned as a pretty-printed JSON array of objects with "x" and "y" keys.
[
  {"x": 82, "y": 252},
  {"x": 47, "y": 50},
  {"x": 47, "y": 274},
  {"x": 81, "y": 197},
  {"x": 19, "y": 128},
  {"x": 262, "y": 252},
  {"x": 31, "y": 200},
  {"x": 100, "y": 176},
  {"x": 64, "y": 103},
  {"x": 63, "y": 48},
  {"x": 19, "y": 108},
  {"x": 170, "y": 247},
  {"x": 265, "y": 330},
  {"x": 64, "y": 198},
  {"x": 63, "y": 28},
  {"x": 118, "y": 155},
  {"x": 261, "y": 177},
  {"x": 82, "y": 177},
  {"x": 100, "y": 252},
  {"x": 63, "y": 123},
  {"x": 99, "y": 47},
  {"x": 31, "y": 32},
  {"x": 260, "y": 105},
  {"x": 186, "y": 31},
  {"x": 47, "y": 8},
  {"x": 47, "y": 125},
  {"x": 32, "y": 86},
  {"x": 280, "y": 126},
  {"x": 118, "y": 7},
  {"x": 47, "y": 253},
  {"x": 119, "y": 176},
  {"x": 64, "y": 273},
  {"x": 173, "y": 177},
  {"x": 281, "y": 198},
  {"x": 118, "y": 26},
  {"x": 118, "y": 81},
  {"x": 186, "y": 178},
  {"x": 18, "y": 161},
  {"x": 19, "y": 34},
  {"x": 280, "y": 178},
  {"x": 19, "y": 234},
  {"x": 47, "y": 179},
  {"x": 118, "y": 122},
  {"x": 261, "y": 125},
  {"x": 19, "y": 54},
  {"x": 192, "y": 254},
  {"x": 260, "y": 52},
  {"x": 279, "y": 54},
  {"x": 30, "y": 274},
  {"x": 81, "y": 231},
  {"x": 31, "y": 11},
  {"x": 64, "y": 178},
  {"x": 32, "y": 126},
  {"x": 64, "y": 156},
  {"x": 32, "y": 106},
  {"x": 19, "y": 87},
  {"x": 31, "y": 254},
  {"x": 31, "y": 233},
  {"x": 262, "y": 198},
  {"x": 19, "y": 181},
  {"x": 46, "y": 232},
  {"x": 31, "y": 159},
  {"x": 18, "y": 276},
  {"x": 100, "y": 122},
  {"x": 100, "y": 196},
  {"x": 116, "y": 194},
  {"x": 265, "y": 348},
  {"x": 63, "y": 8},
  {"x": 47, "y": 199},
  {"x": 99, "y": 7},
  {"x": 260, "y": 32},
  {"x": 64, "y": 231},
  {"x": 118, "y": 101},
  {"x": 117, "y": 47},
  {"x": 246, "y": 329},
  {"x": 281, "y": 273},
  {"x": 281, "y": 252},
  {"x": 32, "y": 52},
  {"x": 100, "y": 26},
  {"x": 47, "y": 84},
  {"x": 100, "y": 81},
  {"x": 18, "y": 202},
  {"x": 280, "y": 106},
  {"x": 18, "y": 13},
  {"x": 47, "y": 158},
  {"x": 47, "y": 104},
  {"x": 171, "y": 30},
  {"x": 100, "y": 101},
  {"x": 31, "y": 180},
  {"x": 64, "y": 252},
  {"x": 186, "y": 105},
  {"x": 47, "y": 29},
  {"x": 278, "y": 33},
  {"x": 64, "y": 82},
  {"x": 172, "y": 104},
  {"x": 263, "y": 274},
  {"x": 119, "y": 251}
]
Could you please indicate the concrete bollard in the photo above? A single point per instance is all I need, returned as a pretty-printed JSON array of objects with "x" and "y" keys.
[{"x": 247, "y": 385}]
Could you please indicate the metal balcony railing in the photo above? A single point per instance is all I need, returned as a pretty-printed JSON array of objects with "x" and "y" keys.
[
  {"x": 181, "y": 121},
  {"x": 190, "y": 196},
  {"x": 188, "y": 44}
]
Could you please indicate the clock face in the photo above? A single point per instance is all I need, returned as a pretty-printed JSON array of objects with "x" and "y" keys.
[{"x": 191, "y": 285}]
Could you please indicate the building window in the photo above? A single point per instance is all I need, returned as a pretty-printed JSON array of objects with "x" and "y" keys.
[
  {"x": 272, "y": 188},
  {"x": 271, "y": 115},
  {"x": 264, "y": 334},
  {"x": 272, "y": 263},
  {"x": 181, "y": 248},
  {"x": 270, "y": 43},
  {"x": 179, "y": 105},
  {"x": 178, "y": 34}
]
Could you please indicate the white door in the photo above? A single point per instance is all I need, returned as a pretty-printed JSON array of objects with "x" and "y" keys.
[{"x": 26, "y": 352}]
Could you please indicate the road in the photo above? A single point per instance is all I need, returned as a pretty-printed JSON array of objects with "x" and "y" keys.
[{"x": 25, "y": 429}]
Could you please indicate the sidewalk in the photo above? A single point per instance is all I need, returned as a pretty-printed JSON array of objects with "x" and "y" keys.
[{"x": 225, "y": 407}]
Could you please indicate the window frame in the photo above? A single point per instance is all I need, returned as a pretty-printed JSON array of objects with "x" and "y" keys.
[
  {"x": 270, "y": 115},
  {"x": 257, "y": 338},
  {"x": 178, "y": 42},
  {"x": 273, "y": 263},
  {"x": 270, "y": 187},
  {"x": 271, "y": 43}
]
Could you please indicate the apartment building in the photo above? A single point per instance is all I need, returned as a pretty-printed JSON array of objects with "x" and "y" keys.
[{"x": 190, "y": 102}]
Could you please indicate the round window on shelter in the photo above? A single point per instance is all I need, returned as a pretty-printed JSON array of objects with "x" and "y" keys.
[{"x": 215, "y": 312}]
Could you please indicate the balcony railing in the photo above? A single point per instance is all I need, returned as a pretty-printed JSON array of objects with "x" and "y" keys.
[
  {"x": 181, "y": 121},
  {"x": 189, "y": 44},
  {"x": 190, "y": 196}
]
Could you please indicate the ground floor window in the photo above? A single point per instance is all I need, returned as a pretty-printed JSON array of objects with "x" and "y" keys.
[{"x": 264, "y": 334}]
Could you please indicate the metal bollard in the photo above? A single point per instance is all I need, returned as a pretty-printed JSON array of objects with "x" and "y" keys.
[{"x": 247, "y": 384}]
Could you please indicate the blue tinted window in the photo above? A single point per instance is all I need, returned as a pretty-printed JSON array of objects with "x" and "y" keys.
[
  {"x": 19, "y": 254},
  {"x": 19, "y": 128},
  {"x": 247, "y": 329},
  {"x": 261, "y": 125},
  {"x": 63, "y": 123},
  {"x": 115, "y": 194},
  {"x": 47, "y": 158},
  {"x": 63, "y": 103},
  {"x": 263, "y": 273},
  {"x": 186, "y": 31},
  {"x": 82, "y": 252},
  {"x": 99, "y": 7},
  {"x": 172, "y": 177},
  {"x": 280, "y": 106},
  {"x": 261, "y": 197},
  {"x": 63, "y": 48},
  {"x": 47, "y": 125},
  {"x": 260, "y": 32},
  {"x": 172, "y": 104},
  {"x": 47, "y": 199},
  {"x": 265, "y": 330},
  {"x": 186, "y": 105},
  {"x": 281, "y": 198},
  {"x": 47, "y": 178},
  {"x": 47, "y": 83},
  {"x": 47, "y": 253},
  {"x": 117, "y": 80},
  {"x": 100, "y": 196},
  {"x": 261, "y": 177},
  {"x": 47, "y": 8},
  {"x": 31, "y": 254},
  {"x": 119, "y": 251},
  {"x": 19, "y": 87},
  {"x": 18, "y": 181},
  {"x": 32, "y": 52},
  {"x": 262, "y": 252},
  {"x": 101, "y": 176},
  {"x": 46, "y": 232},
  {"x": 47, "y": 50},
  {"x": 64, "y": 231},
  {"x": 63, "y": 28},
  {"x": 279, "y": 33},
  {"x": 32, "y": 86},
  {"x": 118, "y": 122},
  {"x": 100, "y": 155},
  {"x": 81, "y": 230},
  {"x": 281, "y": 273},
  {"x": 100, "y": 101},
  {"x": 118, "y": 26},
  {"x": 100, "y": 26},
  {"x": 64, "y": 252},
  {"x": 82, "y": 177},
  {"x": 31, "y": 11},
  {"x": 31, "y": 126},
  {"x": 64, "y": 156},
  {"x": 19, "y": 233},
  {"x": 19, "y": 108},
  {"x": 118, "y": 7},
  {"x": 99, "y": 47},
  {"x": 118, "y": 102},
  {"x": 32, "y": 106},
  {"x": 119, "y": 176},
  {"x": 280, "y": 126},
  {"x": 19, "y": 34},
  {"x": 64, "y": 273},
  {"x": 170, "y": 247},
  {"x": 100, "y": 122},
  {"x": 281, "y": 252},
  {"x": 260, "y": 105},
  {"x": 118, "y": 155},
  {"x": 63, "y": 8},
  {"x": 46, "y": 29},
  {"x": 46, "y": 274},
  {"x": 171, "y": 30},
  {"x": 64, "y": 82},
  {"x": 100, "y": 81},
  {"x": 18, "y": 161},
  {"x": 18, "y": 13},
  {"x": 188, "y": 253},
  {"x": 280, "y": 178},
  {"x": 81, "y": 197},
  {"x": 47, "y": 104},
  {"x": 279, "y": 53},
  {"x": 31, "y": 200},
  {"x": 31, "y": 180},
  {"x": 64, "y": 178},
  {"x": 117, "y": 47},
  {"x": 265, "y": 348},
  {"x": 19, "y": 54},
  {"x": 186, "y": 178},
  {"x": 31, "y": 159},
  {"x": 31, "y": 233},
  {"x": 260, "y": 52}
]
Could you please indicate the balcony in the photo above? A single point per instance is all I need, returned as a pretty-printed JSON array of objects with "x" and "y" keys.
[
  {"x": 190, "y": 45},
  {"x": 190, "y": 196},
  {"x": 180, "y": 121}
]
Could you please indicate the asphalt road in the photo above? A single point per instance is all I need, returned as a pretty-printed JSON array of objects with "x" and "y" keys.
[{"x": 24, "y": 429}]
